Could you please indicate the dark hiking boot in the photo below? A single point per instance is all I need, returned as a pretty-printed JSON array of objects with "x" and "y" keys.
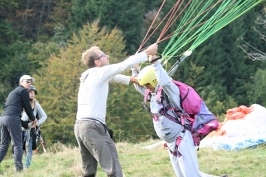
[
  {"x": 224, "y": 175},
  {"x": 19, "y": 169}
]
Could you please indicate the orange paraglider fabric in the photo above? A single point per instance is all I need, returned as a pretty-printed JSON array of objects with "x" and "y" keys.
[
  {"x": 237, "y": 113},
  {"x": 233, "y": 114}
]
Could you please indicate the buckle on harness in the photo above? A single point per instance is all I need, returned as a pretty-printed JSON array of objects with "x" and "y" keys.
[
  {"x": 180, "y": 137},
  {"x": 156, "y": 116}
]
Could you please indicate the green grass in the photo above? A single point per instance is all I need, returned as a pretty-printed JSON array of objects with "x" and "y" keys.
[{"x": 63, "y": 161}]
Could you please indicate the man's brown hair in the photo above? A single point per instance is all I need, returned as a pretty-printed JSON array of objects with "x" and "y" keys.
[{"x": 89, "y": 56}]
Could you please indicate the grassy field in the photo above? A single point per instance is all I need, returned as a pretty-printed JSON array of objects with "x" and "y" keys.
[{"x": 63, "y": 161}]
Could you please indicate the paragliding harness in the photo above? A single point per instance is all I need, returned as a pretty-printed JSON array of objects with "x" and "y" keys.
[
  {"x": 35, "y": 135},
  {"x": 30, "y": 134},
  {"x": 193, "y": 114},
  {"x": 39, "y": 138}
]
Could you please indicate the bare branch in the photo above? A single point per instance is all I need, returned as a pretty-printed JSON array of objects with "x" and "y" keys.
[
  {"x": 252, "y": 52},
  {"x": 262, "y": 36}
]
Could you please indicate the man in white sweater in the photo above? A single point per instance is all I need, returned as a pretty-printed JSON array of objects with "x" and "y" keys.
[{"x": 94, "y": 141}]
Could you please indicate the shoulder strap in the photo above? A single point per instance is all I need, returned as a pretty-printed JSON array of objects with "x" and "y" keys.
[
  {"x": 163, "y": 94},
  {"x": 160, "y": 93},
  {"x": 147, "y": 92}
]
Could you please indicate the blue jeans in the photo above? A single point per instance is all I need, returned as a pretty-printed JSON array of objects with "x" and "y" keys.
[{"x": 28, "y": 154}]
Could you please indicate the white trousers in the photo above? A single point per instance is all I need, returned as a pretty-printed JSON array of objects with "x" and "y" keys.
[{"x": 187, "y": 165}]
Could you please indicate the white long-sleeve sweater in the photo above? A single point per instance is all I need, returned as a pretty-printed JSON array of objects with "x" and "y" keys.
[
  {"x": 37, "y": 109},
  {"x": 94, "y": 86}
]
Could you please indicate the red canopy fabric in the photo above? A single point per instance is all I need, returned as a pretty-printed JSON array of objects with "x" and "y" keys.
[{"x": 233, "y": 114}]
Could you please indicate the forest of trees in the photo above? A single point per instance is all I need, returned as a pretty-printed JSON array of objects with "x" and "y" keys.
[{"x": 46, "y": 39}]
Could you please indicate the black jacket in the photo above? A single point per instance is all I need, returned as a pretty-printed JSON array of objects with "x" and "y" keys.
[{"x": 16, "y": 101}]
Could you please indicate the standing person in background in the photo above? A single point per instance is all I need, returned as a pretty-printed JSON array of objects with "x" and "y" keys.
[
  {"x": 94, "y": 141},
  {"x": 41, "y": 117},
  {"x": 10, "y": 122},
  {"x": 183, "y": 157}
]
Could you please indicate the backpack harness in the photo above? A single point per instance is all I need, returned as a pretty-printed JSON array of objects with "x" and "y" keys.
[
  {"x": 193, "y": 114},
  {"x": 34, "y": 134}
]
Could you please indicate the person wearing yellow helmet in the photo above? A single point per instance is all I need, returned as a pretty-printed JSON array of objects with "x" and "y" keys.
[
  {"x": 147, "y": 78},
  {"x": 183, "y": 156}
]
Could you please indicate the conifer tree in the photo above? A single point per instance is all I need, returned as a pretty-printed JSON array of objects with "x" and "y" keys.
[
  {"x": 123, "y": 14},
  {"x": 257, "y": 86}
]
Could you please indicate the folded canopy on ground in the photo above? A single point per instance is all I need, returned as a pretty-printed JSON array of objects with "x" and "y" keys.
[{"x": 244, "y": 127}]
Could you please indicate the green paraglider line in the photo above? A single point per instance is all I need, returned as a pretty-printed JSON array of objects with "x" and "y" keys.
[
  {"x": 200, "y": 20},
  {"x": 227, "y": 12}
]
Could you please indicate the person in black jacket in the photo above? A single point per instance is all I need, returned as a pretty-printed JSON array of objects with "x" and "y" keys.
[{"x": 10, "y": 122}]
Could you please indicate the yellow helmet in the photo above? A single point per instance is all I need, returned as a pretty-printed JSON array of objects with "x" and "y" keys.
[{"x": 147, "y": 75}]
